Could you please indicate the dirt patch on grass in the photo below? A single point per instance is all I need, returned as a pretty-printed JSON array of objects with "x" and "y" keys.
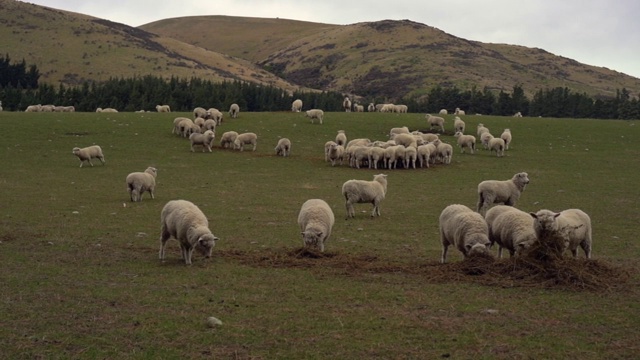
[{"x": 566, "y": 274}]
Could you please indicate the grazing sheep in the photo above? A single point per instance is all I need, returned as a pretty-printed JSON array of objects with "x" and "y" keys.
[
  {"x": 358, "y": 108},
  {"x": 410, "y": 157},
  {"x": 459, "y": 112},
  {"x": 376, "y": 155},
  {"x": 406, "y": 140},
  {"x": 518, "y": 114},
  {"x": 163, "y": 108},
  {"x": 362, "y": 191},
  {"x": 444, "y": 151},
  {"x": 327, "y": 146},
  {"x": 185, "y": 222},
  {"x": 481, "y": 129},
  {"x": 443, "y": 112},
  {"x": 401, "y": 109},
  {"x": 296, "y": 105},
  {"x": 88, "y": 153},
  {"x": 243, "y": 139},
  {"x": 427, "y": 137},
  {"x": 501, "y": 191},
  {"x": 234, "y": 111},
  {"x": 315, "y": 220},
  {"x": 497, "y": 145},
  {"x": 458, "y": 125},
  {"x": 346, "y": 104},
  {"x": 506, "y": 136},
  {"x": 388, "y": 108},
  {"x": 341, "y": 138},
  {"x": 371, "y": 107},
  {"x": 176, "y": 125},
  {"x": 572, "y": 225},
  {"x": 186, "y": 127},
  {"x": 315, "y": 114},
  {"x": 205, "y": 140},
  {"x": 335, "y": 153},
  {"x": 379, "y": 107},
  {"x": 215, "y": 114},
  {"x": 49, "y": 108},
  {"x": 200, "y": 122},
  {"x": 199, "y": 112},
  {"x": 227, "y": 139},
  {"x": 398, "y": 130},
  {"x": 209, "y": 124},
  {"x": 106, "y": 110},
  {"x": 435, "y": 121},
  {"x": 466, "y": 141},
  {"x": 511, "y": 229},
  {"x": 485, "y": 137},
  {"x": 358, "y": 155},
  {"x": 140, "y": 182},
  {"x": 283, "y": 147},
  {"x": 464, "y": 229},
  {"x": 359, "y": 142},
  {"x": 33, "y": 108},
  {"x": 424, "y": 154}
]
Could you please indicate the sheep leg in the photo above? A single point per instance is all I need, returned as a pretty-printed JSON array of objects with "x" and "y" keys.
[
  {"x": 188, "y": 254},
  {"x": 164, "y": 236},
  {"x": 350, "y": 210},
  {"x": 443, "y": 258}
]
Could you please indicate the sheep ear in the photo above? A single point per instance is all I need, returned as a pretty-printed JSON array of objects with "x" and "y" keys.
[
  {"x": 302, "y": 232},
  {"x": 319, "y": 233},
  {"x": 556, "y": 215},
  {"x": 468, "y": 247},
  {"x": 534, "y": 215}
]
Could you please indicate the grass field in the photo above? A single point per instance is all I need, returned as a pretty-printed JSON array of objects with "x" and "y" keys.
[{"x": 81, "y": 276}]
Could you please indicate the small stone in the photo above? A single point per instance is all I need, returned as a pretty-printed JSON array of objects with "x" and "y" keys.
[{"x": 213, "y": 322}]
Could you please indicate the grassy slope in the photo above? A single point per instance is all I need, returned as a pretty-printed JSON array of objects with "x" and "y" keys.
[{"x": 88, "y": 284}]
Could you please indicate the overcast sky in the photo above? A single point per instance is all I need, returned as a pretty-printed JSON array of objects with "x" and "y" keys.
[{"x": 600, "y": 33}]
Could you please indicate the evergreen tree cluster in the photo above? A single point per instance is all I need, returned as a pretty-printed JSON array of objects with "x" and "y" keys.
[{"x": 17, "y": 75}]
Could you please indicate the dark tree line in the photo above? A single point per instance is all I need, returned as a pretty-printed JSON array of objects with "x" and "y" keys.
[{"x": 19, "y": 88}]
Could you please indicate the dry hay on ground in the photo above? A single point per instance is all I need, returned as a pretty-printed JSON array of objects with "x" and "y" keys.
[{"x": 568, "y": 274}]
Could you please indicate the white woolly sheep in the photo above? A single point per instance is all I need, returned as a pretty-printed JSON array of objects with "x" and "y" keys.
[
  {"x": 283, "y": 147},
  {"x": 346, "y": 104},
  {"x": 501, "y": 191},
  {"x": 101, "y": 110},
  {"x": 205, "y": 140},
  {"x": 444, "y": 151},
  {"x": 376, "y": 155},
  {"x": 443, "y": 112},
  {"x": 335, "y": 153},
  {"x": 362, "y": 191},
  {"x": 497, "y": 145},
  {"x": 243, "y": 139},
  {"x": 49, "y": 108},
  {"x": 427, "y": 137},
  {"x": 406, "y": 140},
  {"x": 511, "y": 229},
  {"x": 140, "y": 182},
  {"x": 234, "y": 111},
  {"x": 458, "y": 125},
  {"x": 485, "y": 137},
  {"x": 481, "y": 129},
  {"x": 424, "y": 154},
  {"x": 358, "y": 155},
  {"x": 466, "y": 141},
  {"x": 315, "y": 220},
  {"x": 358, "y": 108},
  {"x": 387, "y": 108},
  {"x": 392, "y": 154},
  {"x": 379, "y": 107},
  {"x": 458, "y": 111},
  {"x": 199, "y": 112},
  {"x": 571, "y": 225},
  {"x": 518, "y": 114},
  {"x": 435, "y": 121},
  {"x": 186, "y": 127},
  {"x": 398, "y": 130},
  {"x": 209, "y": 124},
  {"x": 327, "y": 146},
  {"x": 227, "y": 139},
  {"x": 185, "y": 222},
  {"x": 359, "y": 142},
  {"x": 200, "y": 122},
  {"x": 371, "y": 107},
  {"x": 410, "y": 157},
  {"x": 401, "y": 109},
  {"x": 88, "y": 153},
  {"x": 464, "y": 229},
  {"x": 506, "y": 136},
  {"x": 0, "y": 105},
  {"x": 215, "y": 114},
  {"x": 163, "y": 108},
  {"x": 315, "y": 114},
  {"x": 33, "y": 108},
  {"x": 341, "y": 138},
  {"x": 296, "y": 105}
]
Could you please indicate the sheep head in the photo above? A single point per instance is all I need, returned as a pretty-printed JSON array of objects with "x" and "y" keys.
[{"x": 205, "y": 244}]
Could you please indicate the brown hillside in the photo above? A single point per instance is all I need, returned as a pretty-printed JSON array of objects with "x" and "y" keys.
[
  {"x": 388, "y": 59},
  {"x": 69, "y": 48}
]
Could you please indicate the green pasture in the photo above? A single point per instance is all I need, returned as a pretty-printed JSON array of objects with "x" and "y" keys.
[{"x": 81, "y": 277}]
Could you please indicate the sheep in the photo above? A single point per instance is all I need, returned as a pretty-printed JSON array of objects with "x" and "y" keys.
[
  {"x": 362, "y": 191},
  {"x": 424, "y": 154},
  {"x": 360, "y": 142},
  {"x": 341, "y": 138},
  {"x": 315, "y": 114},
  {"x": 458, "y": 125},
  {"x": 481, "y": 129},
  {"x": 358, "y": 108},
  {"x": 398, "y": 130},
  {"x": 48, "y": 108},
  {"x": 33, "y": 108},
  {"x": 184, "y": 221},
  {"x": 427, "y": 137},
  {"x": 459, "y": 112},
  {"x": 371, "y": 107},
  {"x": 401, "y": 109},
  {"x": 346, "y": 104},
  {"x": 227, "y": 139},
  {"x": 357, "y": 155},
  {"x": 315, "y": 220},
  {"x": 518, "y": 114},
  {"x": 327, "y": 146},
  {"x": 443, "y": 112},
  {"x": 571, "y": 225},
  {"x": 410, "y": 156},
  {"x": 140, "y": 182},
  {"x": 466, "y": 141},
  {"x": 406, "y": 140},
  {"x": 378, "y": 107},
  {"x": 243, "y": 139},
  {"x": 283, "y": 147},
  {"x": 501, "y": 191},
  {"x": 376, "y": 154},
  {"x": 485, "y": 137},
  {"x": 107, "y": 110},
  {"x": 388, "y": 108},
  {"x": 296, "y": 105},
  {"x": 234, "y": 111},
  {"x": 215, "y": 114},
  {"x": 444, "y": 151},
  {"x": 506, "y": 136},
  {"x": 186, "y": 127},
  {"x": 435, "y": 121},
  {"x": 205, "y": 140},
  {"x": 199, "y": 112},
  {"x": 70, "y": 108},
  {"x": 88, "y": 153},
  {"x": 208, "y": 124},
  {"x": 163, "y": 108},
  {"x": 511, "y": 229},
  {"x": 464, "y": 229},
  {"x": 393, "y": 154},
  {"x": 497, "y": 145},
  {"x": 200, "y": 122},
  {"x": 336, "y": 152}
]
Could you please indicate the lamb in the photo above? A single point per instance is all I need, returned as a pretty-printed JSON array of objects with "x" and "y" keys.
[
  {"x": 497, "y": 145},
  {"x": 140, "y": 182},
  {"x": 459, "y": 112},
  {"x": 296, "y": 106},
  {"x": 315, "y": 114},
  {"x": 185, "y": 222},
  {"x": 341, "y": 138},
  {"x": 205, "y": 140},
  {"x": 199, "y": 112},
  {"x": 362, "y": 191},
  {"x": 511, "y": 229},
  {"x": 234, "y": 111},
  {"x": 481, "y": 129},
  {"x": 464, "y": 229},
  {"x": 243, "y": 139},
  {"x": 466, "y": 141},
  {"x": 283, "y": 147},
  {"x": 336, "y": 152},
  {"x": 458, "y": 125},
  {"x": 571, "y": 225},
  {"x": 227, "y": 139},
  {"x": 497, "y": 191},
  {"x": 315, "y": 220},
  {"x": 435, "y": 121},
  {"x": 506, "y": 136},
  {"x": 163, "y": 108},
  {"x": 88, "y": 153}
]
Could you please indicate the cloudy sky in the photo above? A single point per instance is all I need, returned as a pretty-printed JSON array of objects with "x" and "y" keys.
[{"x": 594, "y": 32}]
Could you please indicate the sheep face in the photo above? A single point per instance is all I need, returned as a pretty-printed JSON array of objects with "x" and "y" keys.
[
  {"x": 522, "y": 179},
  {"x": 205, "y": 244},
  {"x": 477, "y": 249},
  {"x": 311, "y": 237},
  {"x": 545, "y": 221}
]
